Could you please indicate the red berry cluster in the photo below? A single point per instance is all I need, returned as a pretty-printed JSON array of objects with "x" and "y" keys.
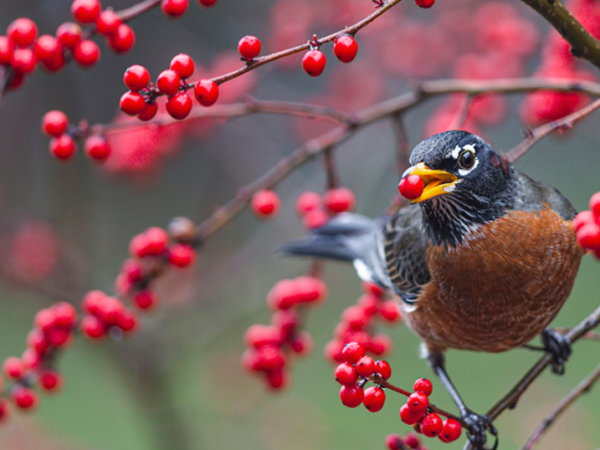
[
  {"x": 176, "y": 8},
  {"x": 268, "y": 345},
  {"x": 62, "y": 145},
  {"x": 316, "y": 210},
  {"x": 52, "y": 332},
  {"x": 356, "y": 324},
  {"x": 411, "y": 187},
  {"x": 416, "y": 412},
  {"x": 354, "y": 373},
  {"x": 106, "y": 314},
  {"x": 140, "y": 100},
  {"x": 345, "y": 49},
  {"x": 409, "y": 441},
  {"x": 587, "y": 226}
]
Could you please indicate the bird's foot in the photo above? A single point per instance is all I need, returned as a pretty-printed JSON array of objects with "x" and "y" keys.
[
  {"x": 559, "y": 347},
  {"x": 479, "y": 425}
]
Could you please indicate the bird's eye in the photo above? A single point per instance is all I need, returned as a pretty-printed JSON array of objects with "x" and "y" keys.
[{"x": 466, "y": 160}]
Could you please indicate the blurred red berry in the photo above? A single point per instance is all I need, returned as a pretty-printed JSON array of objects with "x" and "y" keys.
[
  {"x": 412, "y": 441},
  {"x": 266, "y": 203},
  {"x": 269, "y": 357},
  {"x": 149, "y": 112},
  {"x": 54, "y": 123},
  {"x": 588, "y": 236},
  {"x": 351, "y": 396},
  {"x": 69, "y": 34},
  {"x": 333, "y": 351},
  {"x": 207, "y": 3},
  {"x": 389, "y": 310},
  {"x": 168, "y": 82},
  {"x": 374, "y": 399},
  {"x": 340, "y": 200},
  {"x": 47, "y": 48},
  {"x": 65, "y": 314},
  {"x": 145, "y": 300},
  {"x": 132, "y": 103},
  {"x": 108, "y": 22},
  {"x": 174, "y": 8},
  {"x": 182, "y": 64},
  {"x": 383, "y": 369},
  {"x": 179, "y": 105},
  {"x": 136, "y": 78},
  {"x": 302, "y": 343},
  {"x": 249, "y": 47},
  {"x": 86, "y": 11},
  {"x": 314, "y": 62},
  {"x": 431, "y": 425},
  {"x": 97, "y": 147},
  {"x": 22, "y": 31},
  {"x": 595, "y": 205},
  {"x": 62, "y": 147},
  {"x": 6, "y": 50},
  {"x": 582, "y": 218},
  {"x": 13, "y": 367},
  {"x": 411, "y": 187},
  {"x": 206, "y": 92},
  {"x": 345, "y": 374},
  {"x": 93, "y": 327},
  {"x": 423, "y": 385},
  {"x": 23, "y": 60},
  {"x": 352, "y": 352},
  {"x": 307, "y": 201},
  {"x": 24, "y": 397},
  {"x": 393, "y": 442},
  {"x": 315, "y": 219},
  {"x": 345, "y": 48},
  {"x": 92, "y": 300},
  {"x": 86, "y": 53},
  {"x": 277, "y": 379},
  {"x": 123, "y": 39},
  {"x": 182, "y": 255},
  {"x": 51, "y": 381},
  {"x": 425, "y": 3}
]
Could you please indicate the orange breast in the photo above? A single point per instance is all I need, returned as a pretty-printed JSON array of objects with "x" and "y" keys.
[{"x": 501, "y": 287}]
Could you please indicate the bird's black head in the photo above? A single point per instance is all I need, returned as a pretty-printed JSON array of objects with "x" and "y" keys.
[{"x": 466, "y": 184}]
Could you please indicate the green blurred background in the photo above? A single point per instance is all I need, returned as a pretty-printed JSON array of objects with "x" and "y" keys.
[{"x": 178, "y": 384}]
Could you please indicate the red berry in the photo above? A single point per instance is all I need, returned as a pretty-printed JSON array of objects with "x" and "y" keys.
[
  {"x": 345, "y": 48},
  {"x": 86, "y": 53},
  {"x": 249, "y": 47},
  {"x": 37, "y": 341},
  {"x": 582, "y": 218},
  {"x": 107, "y": 23},
  {"x": 136, "y": 78},
  {"x": 383, "y": 369},
  {"x": 314, "y": 62},
  {"x": 412, "y": 441},
  {"x": 345, "y": 374},
  {"x": 258, "y": 335},
  {"x": 282, "y": 295},
  {"x": 179, "y": 105},
  {"x": 174, "y": 8},
  {"x": 24, "y": 397},
  {"x": 97, "y": 148},
  {"x": 50, "y": 380},
  {"x": 409, "y": 416},
  {"x": 393, "y": 442},
  {"x": 278, "y": 379},
  {"x": 451, "y": 430},
  {"x": 588, "y": 236},
  {"x": 411, "y": 187},
  {"x": 351, "y": 396},
  {"x": 423, "y": 385},
  {"x": 266, "y": 204},
  {"x": 595, "y": 205},
  {"x": 182, "y": 64},
  {"x": 389, "y": 310},
  {"x": 380, "y": 344},
  {"x": 62, "y": 147},
  {"x": 269, "y": 357},
  {"x": 92, "y": 302},
  {"x": 365, "y": 366},
  {"x": 145, "y": 300},
  {"x": 47, "y": 48},
  {"x": 168, "y": 82},
  {"x": 157, "y": 240},
  {"x": 54, "y": 123},
  {"x": 6, "y": 50},
  {"x": 132, "y": 269},
  {"x": 23, "y": 60},
  {"x": 207, "y": 3},
  {"x": 315, "y": 219},
  {"x": 65, "y": 314},
  {"x": 339, "y": 200},
  {"x": 22, "y": 31},
  {"x": 13, "y": 367},
  {"x": 93, "y": 327},
  {"x": 182, "y": 255},
  {"x": 69, "y": 34},
  {"x": 206, "y": 92},
  {"x": 45, "y": 319},
  {"x": 374, "y": 398},
  {"x": 123, "y": 39},
  {"x": 431, "y": 425},
  {"x": 425, "y": 3},
  {"x": 149, "y": 112},
  {"x": 127, "y": 320},
  {"x": 417, "y": 402},
  {"x": 85, "y": 11},
  {"x": 110, "y": 310},
  {"x": 353, "y": 352},
  {"x": 302, "y": 343},
  {"x": 369, "y": 303},
  {"x": 310, "y": 290},
  {"x": 132, "y": 103},
  {"x": 307, "y": 201},
  {"x": 56, "y": 62}
]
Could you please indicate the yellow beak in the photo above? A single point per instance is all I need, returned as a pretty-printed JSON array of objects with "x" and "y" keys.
[{"x": 437, "y": 182}]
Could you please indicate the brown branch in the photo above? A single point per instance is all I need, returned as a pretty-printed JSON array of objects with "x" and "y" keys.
[
  {"x": 538, "y": 133},
  {"x": 133, "y": 11},
  {"x": 330, "y": 172},
  {"x": 583, "y": 44},
  {"x": 583, "y": 387},
  {"x": 591, "y": 335}
]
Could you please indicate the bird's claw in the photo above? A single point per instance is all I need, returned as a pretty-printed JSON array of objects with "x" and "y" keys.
[
  {"x": 478, "y": 426},
  {"x": 559, "y": 347}
]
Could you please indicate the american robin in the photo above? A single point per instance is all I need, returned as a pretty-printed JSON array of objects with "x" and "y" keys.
[{"x": 483, "y": 260}]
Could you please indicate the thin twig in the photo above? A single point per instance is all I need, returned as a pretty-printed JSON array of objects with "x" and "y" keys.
[
  {"x": 133, "y": 11},
  {"x": 583, "y": 387},
  {"x": 330, "y": 172},
  {"x": 591, "y": 335}
]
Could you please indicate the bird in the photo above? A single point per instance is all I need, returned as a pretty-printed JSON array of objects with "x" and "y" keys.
[{"x": 482, "y": 260}]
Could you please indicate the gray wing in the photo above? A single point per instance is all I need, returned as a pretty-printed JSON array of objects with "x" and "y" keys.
[
  {"x": 400, "y": 249},
  {"x": 531, "y": 195}
]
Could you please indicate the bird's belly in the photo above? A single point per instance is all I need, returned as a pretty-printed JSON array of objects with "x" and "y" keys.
[{"x": 501, "y": 287}]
